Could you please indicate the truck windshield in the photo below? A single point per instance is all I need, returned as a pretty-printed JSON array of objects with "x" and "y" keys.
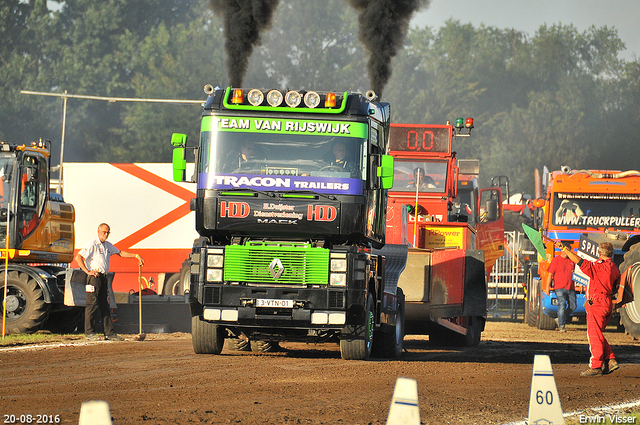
[
  {"x": 6, "y": 170},
  {"x": 7, "y": 162},
  {"x": 580, "y": 210},
  {"x": 282, "y": 162},
  {"x": 426, "y": 176}
]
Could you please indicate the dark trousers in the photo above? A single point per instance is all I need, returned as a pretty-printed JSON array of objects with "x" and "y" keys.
[{"x": 98, "y": 306}]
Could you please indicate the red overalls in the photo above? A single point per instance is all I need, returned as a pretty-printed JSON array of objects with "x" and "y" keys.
[{"x": 602, "y": 274}]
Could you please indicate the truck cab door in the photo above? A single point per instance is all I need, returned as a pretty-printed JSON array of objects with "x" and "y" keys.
[{"x": 490, "y": 236}]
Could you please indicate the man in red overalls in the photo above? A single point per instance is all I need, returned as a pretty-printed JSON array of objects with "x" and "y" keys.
[{"x": 602, "y": 275}]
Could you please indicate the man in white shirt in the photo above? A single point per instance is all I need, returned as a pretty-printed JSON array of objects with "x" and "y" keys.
[{"x": 93, "y": 259}]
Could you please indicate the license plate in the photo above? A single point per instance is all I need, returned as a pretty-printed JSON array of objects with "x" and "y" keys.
[{"x": 261, "y": 302}]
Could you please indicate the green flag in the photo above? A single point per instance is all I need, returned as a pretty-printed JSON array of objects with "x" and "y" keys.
[{"x": 536, "y": 239}]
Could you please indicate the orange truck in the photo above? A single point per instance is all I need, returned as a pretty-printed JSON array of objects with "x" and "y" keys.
[
  {"x": 586, "y": 207},
  {"x": 453, "y": 230}
]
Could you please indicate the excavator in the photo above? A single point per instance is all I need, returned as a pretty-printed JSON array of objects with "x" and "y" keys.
[{"x": 36, "y": 243}]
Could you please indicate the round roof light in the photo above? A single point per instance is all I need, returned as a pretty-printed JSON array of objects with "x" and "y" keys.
[
  {"x": 293, "y": 98},
  {"x": 274, "y": 97},
  {"x": 311, "y": 99},
  {"x": 255, "y": 97}
]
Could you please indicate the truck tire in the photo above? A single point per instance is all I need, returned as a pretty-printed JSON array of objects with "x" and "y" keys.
[
  {"x": 630, "y": 312},
  {"x": 206, "y": 337},
  {"x": 389, "y": 345},
  {"x": 545, "y": 323},
  {"x": 474, "y": 332},
  {"x": 26, "y": 310},
  {"x": 356, "y": 341},
  {"x": 175, "y": 285}
]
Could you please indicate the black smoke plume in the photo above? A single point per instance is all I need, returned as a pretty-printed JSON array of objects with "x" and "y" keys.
[
  {"x": 244, "y": 21},
  {"x": 383, "y": 27}
]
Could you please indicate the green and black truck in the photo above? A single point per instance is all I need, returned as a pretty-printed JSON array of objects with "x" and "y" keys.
[{"x": 291, "y": 213}]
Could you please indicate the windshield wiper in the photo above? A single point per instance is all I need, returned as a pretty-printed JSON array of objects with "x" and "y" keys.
[
  {"x": 239, "y": 190},
  {"x": 304, "y": 192}
]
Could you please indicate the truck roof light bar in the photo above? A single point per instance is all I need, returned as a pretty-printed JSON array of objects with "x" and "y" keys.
[{"x": 300, "y": 101}]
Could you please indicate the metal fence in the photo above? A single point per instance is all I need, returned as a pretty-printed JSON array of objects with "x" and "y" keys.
[{"x": 505, "y": 297}]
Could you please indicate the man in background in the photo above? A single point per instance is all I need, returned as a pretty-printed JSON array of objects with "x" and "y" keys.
[
  {"x": 561, "y": 271},
  {"x": 93, "y": 259}
]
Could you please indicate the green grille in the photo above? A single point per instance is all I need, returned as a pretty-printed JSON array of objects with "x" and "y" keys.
[{"x": 303, "y": 264}]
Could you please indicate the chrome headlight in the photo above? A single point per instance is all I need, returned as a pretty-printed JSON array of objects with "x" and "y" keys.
[
  {"x": 293, "y": 98},
  {"x": 274, "y": 98},
  {"x": 255, "y": 97},
  {"x": 311, "y": 99}
]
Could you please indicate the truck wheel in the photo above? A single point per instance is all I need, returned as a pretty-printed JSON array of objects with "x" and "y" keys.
[
  {"x": 206, "y": 337},
  {"x": 176, "y": 283},
  {"x": 237, "y": 344},
  {"x": 546, "y": 323},
  {"x": 26, "y": 309},
  {"x": 356, "y": 341},
  {"x": 264, "y": 346},
  {"x": 474, "y": 332},
  {"x": 473, "y": 336},
  {"x": 389, "y": 344},
  {"x": 630, "y": 313}
]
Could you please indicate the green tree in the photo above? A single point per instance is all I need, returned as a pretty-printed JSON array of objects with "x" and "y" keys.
[
  {"x": 311, "y": 45},
  {"x": 172, "y": 63}
]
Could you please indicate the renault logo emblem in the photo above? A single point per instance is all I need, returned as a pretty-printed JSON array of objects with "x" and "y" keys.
[{"x": 276, "y": 268}]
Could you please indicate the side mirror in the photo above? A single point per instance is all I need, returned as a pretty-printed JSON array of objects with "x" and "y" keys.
[
  {"x": 179, "y": 142},
  {"x": 385, "y": 171},
  {"x": 493, "y": 210}
]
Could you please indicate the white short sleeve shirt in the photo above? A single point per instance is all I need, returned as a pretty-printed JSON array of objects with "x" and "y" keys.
[{"x": 97, "y": 254}]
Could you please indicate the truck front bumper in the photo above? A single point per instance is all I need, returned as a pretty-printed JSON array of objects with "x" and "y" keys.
[{"x": 295, "y": 308}]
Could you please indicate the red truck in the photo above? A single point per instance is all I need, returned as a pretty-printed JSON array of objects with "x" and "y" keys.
[{"x": 454, "y": 231}]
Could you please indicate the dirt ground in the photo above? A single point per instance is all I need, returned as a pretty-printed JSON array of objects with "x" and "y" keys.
[{"x": 161, "y": 381}]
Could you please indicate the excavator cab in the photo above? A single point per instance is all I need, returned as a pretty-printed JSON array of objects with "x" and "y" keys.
[{"x": 33, "y": 221}]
